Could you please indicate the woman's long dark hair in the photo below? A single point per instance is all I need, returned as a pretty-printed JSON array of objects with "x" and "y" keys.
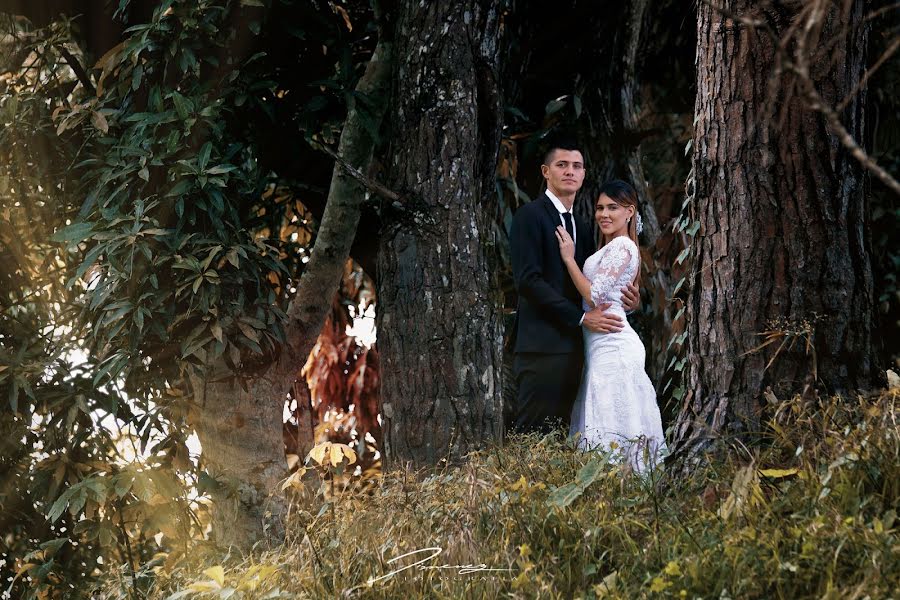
[{"x": 623, "y": 194}]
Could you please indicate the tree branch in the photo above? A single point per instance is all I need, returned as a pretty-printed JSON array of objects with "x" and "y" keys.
[
  {"x": 865, "y": 78},
  {"x": 816, "y": 102},
  {"x": 370, "y": 184},
  {"x": 834, "y": 122},
  {"x": 82, "y": 75},
  {"x": 322, "y": 275}
]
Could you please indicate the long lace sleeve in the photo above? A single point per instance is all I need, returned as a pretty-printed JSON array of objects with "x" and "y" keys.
[{"x": 615, "y": 262}]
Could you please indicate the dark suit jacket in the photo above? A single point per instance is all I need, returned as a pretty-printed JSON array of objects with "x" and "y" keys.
[{"x": 549, "y": 312}]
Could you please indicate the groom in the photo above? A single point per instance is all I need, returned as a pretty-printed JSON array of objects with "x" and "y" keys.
[{"x": 549, "y": 347}]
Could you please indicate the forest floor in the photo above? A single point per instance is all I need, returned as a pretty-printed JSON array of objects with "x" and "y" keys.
[{"x": 810, "y": 512}]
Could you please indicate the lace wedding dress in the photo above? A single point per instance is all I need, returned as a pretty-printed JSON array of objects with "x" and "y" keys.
[{"x": 616, "y": 402}]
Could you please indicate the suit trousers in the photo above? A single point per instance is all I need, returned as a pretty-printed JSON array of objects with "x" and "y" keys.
[{"x": 547, "y": 387}]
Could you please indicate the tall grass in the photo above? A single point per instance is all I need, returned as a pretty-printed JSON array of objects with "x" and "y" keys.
[{"x": 810, "y": 512}]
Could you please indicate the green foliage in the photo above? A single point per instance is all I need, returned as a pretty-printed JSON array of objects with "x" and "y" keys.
[
  {"x": 168, "y": 256},
  {"x": 130, "y": 250},
  {"x": 812, "y": 516},
  {"x": 147, "y": 231},
  {"x": 685, "y": 228}
]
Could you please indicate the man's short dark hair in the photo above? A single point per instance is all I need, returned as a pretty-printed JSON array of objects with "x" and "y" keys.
[{"x": 560, "y": 142}]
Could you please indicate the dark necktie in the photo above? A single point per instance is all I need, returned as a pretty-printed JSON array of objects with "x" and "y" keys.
[{"x": 567, "y": 216}]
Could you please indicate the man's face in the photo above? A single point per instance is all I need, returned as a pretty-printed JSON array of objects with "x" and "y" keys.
[{"x": 565, "y": 172}]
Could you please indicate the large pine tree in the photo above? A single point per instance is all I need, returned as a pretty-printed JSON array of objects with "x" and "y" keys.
[{"x": 781, "y": 292}]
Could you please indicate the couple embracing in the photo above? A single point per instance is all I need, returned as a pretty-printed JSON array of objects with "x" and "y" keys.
[{"x": 577, "y": 360}]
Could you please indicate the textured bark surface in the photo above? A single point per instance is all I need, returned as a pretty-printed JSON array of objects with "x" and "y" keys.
[
  {"x": 439, "y": 325},
  {"x": 783, "y": 244},
  {"x": 243, "y": 448}
]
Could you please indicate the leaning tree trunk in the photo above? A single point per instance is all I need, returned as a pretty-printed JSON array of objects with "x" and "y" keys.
[
  {"x": 782, "y": 252},
  {"x": 240, "y": 430},
  {"x": 439, "y": 322}
]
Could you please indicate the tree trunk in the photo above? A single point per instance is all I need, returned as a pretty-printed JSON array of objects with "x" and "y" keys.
[
  {"x": 241, "y": 431},
  {"x": 783, "y": 242},
  {"x": 439, "y": 322},
  {"x": 243, "y": 448}
]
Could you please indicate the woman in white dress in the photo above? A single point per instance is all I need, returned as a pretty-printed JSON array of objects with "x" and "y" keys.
[{"x": 616, "y": 405}]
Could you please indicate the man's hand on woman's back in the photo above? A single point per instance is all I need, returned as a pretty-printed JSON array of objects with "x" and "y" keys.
[
  {"x": 599, "y": 321},
  {"x": 631, "y": 297}
]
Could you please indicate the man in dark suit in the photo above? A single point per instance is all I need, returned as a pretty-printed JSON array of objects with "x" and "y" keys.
[{"x": 549, "y": 347}]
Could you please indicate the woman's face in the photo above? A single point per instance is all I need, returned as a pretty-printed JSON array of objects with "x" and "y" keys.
[{"x": 612, "y": 217}]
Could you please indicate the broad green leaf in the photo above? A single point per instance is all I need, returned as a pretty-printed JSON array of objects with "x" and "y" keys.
[
  {"x": 111, "y": 367},
  {"x": 123, "y": 483},
  {"x": 74, "y": 233},
  {"x": 555, "y": 106},
  {"x": 255, "y": 323},
  {"x": 220, "y": 169},
  {"x": 564, "y": 496},
  {"x": 248, "y": 331},
  {"x": 136, "y": 75},
  {"x": 589, "y": 472},
  {"x": 14, "y": 395},
  {"x": 183, "y": 106},
  {"x": 89, "y": 259},
  {"x": 216, "y": 330},
  {"x": 181, "y": 187},
  {"x": 203, "y": 157},
  {"x": 59, "y": 507},
  {"x": 52, "y": 547},
  {"x": 196, "y": 345}
]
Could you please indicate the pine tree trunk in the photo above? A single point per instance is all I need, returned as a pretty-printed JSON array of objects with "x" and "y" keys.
[
  {"x": 783, "y": 245},
  {"x": 439, "y": 323}
]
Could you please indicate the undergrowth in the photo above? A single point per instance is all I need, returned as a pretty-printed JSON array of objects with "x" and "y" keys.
[{"x": 810, "y": 512}]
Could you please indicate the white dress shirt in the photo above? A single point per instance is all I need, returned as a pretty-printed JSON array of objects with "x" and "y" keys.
[{"x": 562, "y": 209}]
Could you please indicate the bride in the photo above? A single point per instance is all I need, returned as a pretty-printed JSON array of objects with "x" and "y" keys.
[{"x": 616, "y": 404}]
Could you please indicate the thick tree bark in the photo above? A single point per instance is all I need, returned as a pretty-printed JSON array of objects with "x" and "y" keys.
[
  {"x": 241, "y": 431},
  {"x": 439, "y": 322},
  {"x": 243, "y": 449},
  {"x": 783, "y": 243}
]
